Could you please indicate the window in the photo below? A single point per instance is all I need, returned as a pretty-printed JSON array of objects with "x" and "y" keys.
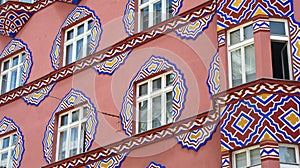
[
  {"x": 7, "y": 146},
  {"x": 280, "y": 49},
  {"x": 154, "y": 102},
  {"x": 77, "y": 41},
  {"x": 245, "y": 158},
  {"x": 289, "y": 156},
  {"x": 71, "y": 133},
  {"x": 152, "y": 12},
  {"x": 11, "y": 72},
  {"x": 241, "y": 59}
]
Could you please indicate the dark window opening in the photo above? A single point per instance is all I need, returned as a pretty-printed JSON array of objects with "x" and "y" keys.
[{"x": 280, "y": 62}]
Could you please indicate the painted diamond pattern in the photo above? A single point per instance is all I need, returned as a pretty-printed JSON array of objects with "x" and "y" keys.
[
  {"x": 242, "y": 122},
  {"x": 292, "y": 119}
]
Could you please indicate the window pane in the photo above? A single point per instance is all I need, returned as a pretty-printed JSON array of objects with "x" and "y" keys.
[
  {"x": 62, "y": 145},
  {"x": 143, "y": 89},
  {"x": 287, "y": 154},
  {"x": 70, "y": 34},
  {"x": 85, "y": 112},
  {"x": 169, "y": 9},
  {"x": 169, "y": 107},
  {"x": 80, "y": 29},
  {"x": 4, "y": 84},
  {"x": 15, "y": 136},
  {"x": 156, "y": 112},
  {"x": 90, "y": 24},
  {"x": 74, "y": 141},
  {"x": 248, "y": 32},
  {"x": 157, "y": 13},
  {"x": 156, "y": 84},
  {"x": 235, "y": 37},
  {"x": 144, "y": 1},
  {"x": 277, "y": 28},
  {"x": 143, "y": 116},
  {"x": 15, "y": 61},
  {"x": 4, "y": 157},
  {"x": 69, "y": 54},
  {"x": 13, "y": 83},
  {"x": 255, "y": 157},
  {"x": 64, "y": 120},
  {"x": 241, "y": 160},
  {"x": 88, "y": 46},
  {"x": 5, "y": 143},
  {"x": 82, "y": 137},
  {"x": 75, "y": 116},
  {"x": 6, "y": 65},
  {"x": 79, "y": 51},
  {"x": 144, "y": 18},
  {"x": 250, "y": 63},
  {"x": 169, "y": 79},
  {"x": 236, "y": 67}
]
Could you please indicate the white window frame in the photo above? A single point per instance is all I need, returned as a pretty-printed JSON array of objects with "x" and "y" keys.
[
  {"x": 161, "y": 92},
  {"x": 81, "y": 121},
  {"x": 286, "y": 38},
  {"x": 75, "y": 39},
  {"x": 150, "y": 4},
  {"x": 241, "y": 45},
  {"x": 289, "y": 165},
  {"x": 9, "y": 149},
  {"x": 247, "y": 150},
  {"x": 9, "y": 71}
]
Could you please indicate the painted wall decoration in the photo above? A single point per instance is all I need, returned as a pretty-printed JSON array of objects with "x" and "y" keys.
[
  {"x": 74, "y": 97},
  {"x": 263, "y": 116},
  {"x": 213, "y": 79},
  {"x": 234, "y": 12},
  {"x": 14, "y": 16},
  {"x": 78, "y": 13},
  {"x": 155, "y": 165},
  {"x": 14, "y": 46},
  {"x": 37, "y": 97},
  {"x": 8, "y": 125},
  {"x": 112, "y": 162},
  {"x": 197, "y": 138},
  {"x": 129, "y": 14},
  {"x": 153, "y": 65}
]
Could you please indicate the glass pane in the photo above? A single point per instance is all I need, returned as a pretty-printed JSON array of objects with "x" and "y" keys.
[
  {"x": 6, "y": 65},
  {"x": 144, "y": 1},
  {"x": 169, "y": 107},
  {"x": 250, "y": 63},
  {"x": 62, "y": 145},
  {"x": 143, "y": 89},
  {"x": 88, "y": 46},
  {"x": 79, "y": 51},
  {"x": 80, "y": 29},
  {"x": 143, "y": 106},
  {"x": 82, "y": 137},
  {"x": 70, "y": 34},
  {"x": 13, "y": 83},
  {"x": 255, "y": 157},
  {"x": 4, "y": 84},
  {"x": 169, "y": 79},
  {"x": 157, "y": 13},
  {"x": 241, "y": 160},
  {"x": 287, "y": 154},
  {"x": 169, "y": 9},
  {"x": 5, "y": 143},
  {"x": 277, "y": 28},
  {"x": 64, "y": 120},
  {"x": 15, "y": 61},
  {"x": 90, "y": 24},
  {"x": 85, "y": 112},
  {"x": 236, "y": 67},
  {"x": 156, "y": 112},
  {"x": 74, "y": 141},
  {"x": 156, "y": 84},
  {"x": 15, "y": 136},
  {"x": 69, "y": 54},
  {"x": 4, "y": 157},
  {"x": 75, "y": 116},
  {"x": 235, "y": 37},
  {"x": 248, "y": 32},
  {"x": 144, "y": 18}
]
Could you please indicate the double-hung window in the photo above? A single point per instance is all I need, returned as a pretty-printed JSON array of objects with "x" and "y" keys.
[
  {"x": 289, "y": 156},
  {"x": 71, "y": 132},
  {"x": 11, "y": 72},
  {"x": 77, "y": 41},
  {"x": 241, "y": 60},
  {"x": 154, "y": 102},
  {"x": 152, "y": 12},
  {"x": 280, "y": 49},
  {"x": 7, "y": 146},
  {"x": 246, "y": 158}
]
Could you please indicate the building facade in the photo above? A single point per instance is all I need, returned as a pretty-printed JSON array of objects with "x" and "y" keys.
[{"x": 150, "y": 83}]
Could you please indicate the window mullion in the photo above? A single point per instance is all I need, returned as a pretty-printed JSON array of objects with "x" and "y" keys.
[
  {"x": 149, "y": 113},
  {"x": 151, "y": 19},
  {"x": 243, "y": 64},
  {"x": 163, "y": 10},
  {"x": 163, "y": 101}
]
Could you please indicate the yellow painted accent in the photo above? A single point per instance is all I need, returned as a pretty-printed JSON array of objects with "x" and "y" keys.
[
  {"x": 196, "y": 136},
  {"x": 267, "y": 137},
  {"x": 71, "y": 99},
  {"x": 237, "y": 3},
  {"x": 56, "y": 50},
  {"x": 293, "y": 118},
  {"x": 17, "y": 152},
  {"x": 12, "y": 47},
  {"x": 298, "y": 48},
  {"x": 76, "y": 15},
  {"x": 3, "y": 127},
  {"x": 219, "y": 28},
  {"x": 177, "y": 92},
  {"x": 194, "y": 26},
  {"x": 223, "y": 149},
  {"x": 49, "y": 140},
  {"x": 111, "y": 63},
  {"x": 25, "y": 66},
  {"x": 259, "y": 11},
  {"x": 242, "y": 123},
  {"x": 151, "y": 67},
  {"x": 89, "y": 125},
  {"x": 130, "y": 15},
  {"x": 128, "y": 110},
  {"x": 216, "y": 79},
  {"x": 37, "y": 94},
  {"x": 264, "y": 96},
  {"x": 106, "y": 165}
]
